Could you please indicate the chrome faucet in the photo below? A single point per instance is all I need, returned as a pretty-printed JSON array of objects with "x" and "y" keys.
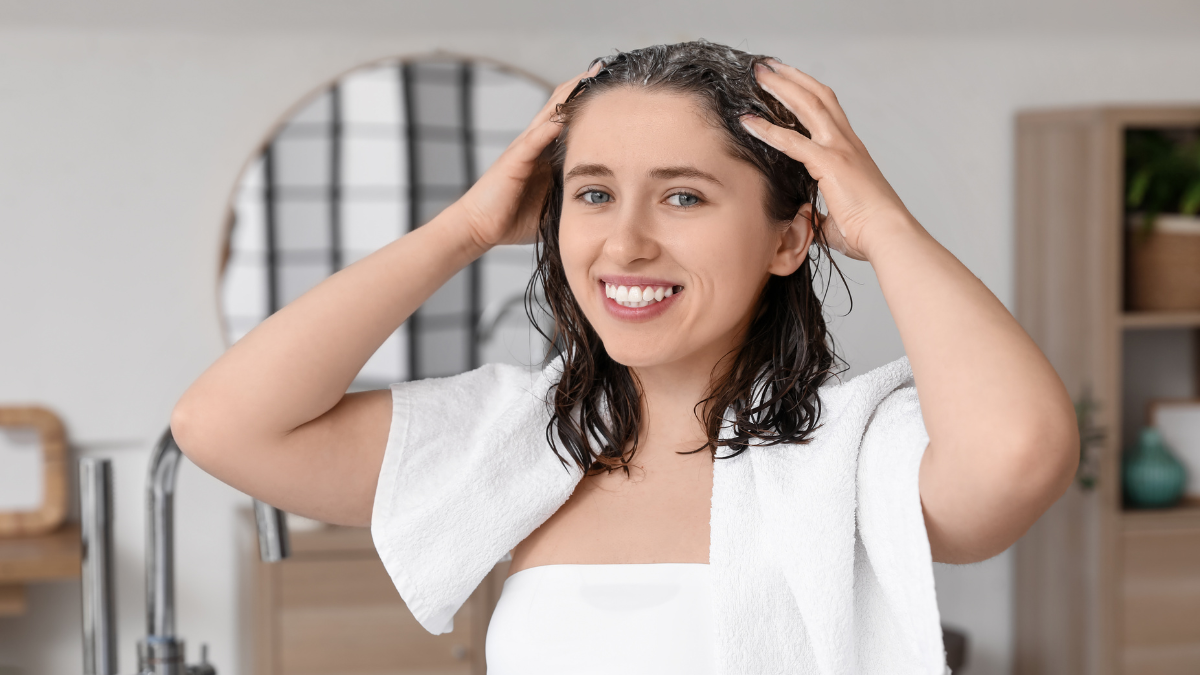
[{"x": 161, "y": 652}]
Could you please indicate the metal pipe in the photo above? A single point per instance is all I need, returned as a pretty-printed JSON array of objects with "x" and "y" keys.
[
  {"x": 162, "y": 653},
  {"x": 273, "y": 542},
  {"x": 96, "y": 520},
  {"x": 160, "y": 537}
]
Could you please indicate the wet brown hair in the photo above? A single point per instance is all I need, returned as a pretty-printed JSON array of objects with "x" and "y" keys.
[{"x": 768, "y": 392}]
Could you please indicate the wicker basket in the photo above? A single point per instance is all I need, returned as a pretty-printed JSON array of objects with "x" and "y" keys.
[{"x": 1164, "y": 268}]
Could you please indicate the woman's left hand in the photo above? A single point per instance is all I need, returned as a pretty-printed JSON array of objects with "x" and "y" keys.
[
  {"x": 861, "y": 203},
  {"x": 1003, "y": 444}
]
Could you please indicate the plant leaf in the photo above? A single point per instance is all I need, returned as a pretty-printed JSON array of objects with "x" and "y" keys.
[
  {"x": 1190, "y": 202},
  {"x": 1138, "y": 186}
]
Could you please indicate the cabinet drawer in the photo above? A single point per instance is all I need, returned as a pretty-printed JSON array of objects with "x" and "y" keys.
[
  {"x": 1161, "y": 601},
  {"x": 345, "y": 616},
  {"x": 335, "y": 581}
]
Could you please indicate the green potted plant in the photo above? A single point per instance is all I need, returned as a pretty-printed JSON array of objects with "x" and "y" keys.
[{"x": 1162, "y": 195}]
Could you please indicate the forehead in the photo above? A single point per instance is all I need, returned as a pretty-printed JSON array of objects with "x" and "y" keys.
[{"x": 630, "y": 127}]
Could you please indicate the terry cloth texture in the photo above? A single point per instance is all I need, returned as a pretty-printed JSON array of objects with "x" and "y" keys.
[{"x": 819, "y": 557}]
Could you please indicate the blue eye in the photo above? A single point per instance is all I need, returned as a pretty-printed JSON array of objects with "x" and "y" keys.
[
  {"x": 683, "y": 199},
  {"x": 596, "y": 197}
]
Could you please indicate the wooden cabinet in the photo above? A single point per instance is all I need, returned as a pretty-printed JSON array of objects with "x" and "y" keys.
[
  {"x": 332, "y": 609},
  {"x": 1101, "y": 590},
  {"x": 35, "y": 558}
]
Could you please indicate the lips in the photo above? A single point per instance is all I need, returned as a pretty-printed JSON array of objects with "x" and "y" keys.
[{"x": 637, "y": 298}]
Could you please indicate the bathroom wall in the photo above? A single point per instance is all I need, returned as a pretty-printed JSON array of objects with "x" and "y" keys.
[{"x": 123, "y": 134}]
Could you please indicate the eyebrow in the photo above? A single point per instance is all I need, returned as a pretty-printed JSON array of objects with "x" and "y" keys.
[
  {"x": 588, "y": 170},
  {"x": 668, "y": 172},
  {"x": 659, "y": 173}
]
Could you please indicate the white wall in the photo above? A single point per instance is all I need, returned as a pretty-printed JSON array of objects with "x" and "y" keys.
[{"x": 119, "y": 148}]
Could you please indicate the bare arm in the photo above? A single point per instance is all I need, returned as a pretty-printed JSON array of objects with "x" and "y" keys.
[
  {"x": 272, "y": 418},
  {"x": 1004, "y": 444},
  {"x": 1003, "y": 440}
]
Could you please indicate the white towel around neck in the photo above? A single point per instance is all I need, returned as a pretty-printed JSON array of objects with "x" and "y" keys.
[{"x": 819, "y": 556}]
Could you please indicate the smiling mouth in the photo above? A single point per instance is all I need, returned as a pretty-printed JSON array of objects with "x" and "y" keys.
[{"x": 639, "y": 296}]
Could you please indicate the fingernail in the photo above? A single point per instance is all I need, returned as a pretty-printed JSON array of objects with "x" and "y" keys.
[{"x": 746, "y": 118}]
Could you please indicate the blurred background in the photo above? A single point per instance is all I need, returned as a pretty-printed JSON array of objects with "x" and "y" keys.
[{"x": 171, "y": 173}]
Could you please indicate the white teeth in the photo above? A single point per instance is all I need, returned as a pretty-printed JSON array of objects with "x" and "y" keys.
[{"x": 637, "y": 296}]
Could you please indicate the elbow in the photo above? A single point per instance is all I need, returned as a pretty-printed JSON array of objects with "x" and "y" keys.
[
  {"x": 1047, "y": 461},
  {"x": 1026, "y": 470},
  {"x": 187, "y": 428},
  {"x": 1049, "y": 456}
]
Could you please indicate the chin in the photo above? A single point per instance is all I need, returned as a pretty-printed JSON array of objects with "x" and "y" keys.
[
  {"x": 639, "y": 353},
  {"x": 630, "y": 361}
]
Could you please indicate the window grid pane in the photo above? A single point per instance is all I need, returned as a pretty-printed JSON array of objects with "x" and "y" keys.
[{"x": 348, "y": 175}]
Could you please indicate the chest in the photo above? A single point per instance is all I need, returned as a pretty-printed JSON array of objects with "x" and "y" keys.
[{"x": 660, "y": 512}]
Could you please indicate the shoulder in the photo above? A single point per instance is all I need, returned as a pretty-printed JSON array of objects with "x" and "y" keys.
[
  {"x": 486, "y": 379},
  {"x": 460, "y": 409},
  {"x": 876, "y": 383},
  {"x": 463, "y": 426},
  {"x": 877, "y": 394},
  {"x": 488, "y": 385}
]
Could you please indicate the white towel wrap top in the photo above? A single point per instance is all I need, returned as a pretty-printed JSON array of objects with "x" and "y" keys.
[
  {"x": 632, "y": 619},
  {"x": 819, "y": 560}
]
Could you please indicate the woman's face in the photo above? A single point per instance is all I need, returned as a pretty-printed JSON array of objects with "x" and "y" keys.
[{"x": 659, "y": 214}]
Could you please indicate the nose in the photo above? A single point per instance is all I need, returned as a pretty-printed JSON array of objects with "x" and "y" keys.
[{"x": 632, "y": 237}]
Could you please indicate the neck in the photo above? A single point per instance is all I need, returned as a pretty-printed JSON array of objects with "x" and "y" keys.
[{"x": 671, "y": 393}]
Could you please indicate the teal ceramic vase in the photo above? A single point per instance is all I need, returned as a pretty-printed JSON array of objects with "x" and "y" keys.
[{"x": 1153, "y": 478}]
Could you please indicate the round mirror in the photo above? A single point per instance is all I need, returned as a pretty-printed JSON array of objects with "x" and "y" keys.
[{"x": 362, "y": 161}]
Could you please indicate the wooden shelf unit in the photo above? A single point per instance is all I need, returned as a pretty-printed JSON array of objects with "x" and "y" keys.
[
  {"x": 36, "y": 558},
  {"x": 1100, "y": 590},
  {"x": 1152, "y": 320},
  {"x": 1186, "y": 517}
]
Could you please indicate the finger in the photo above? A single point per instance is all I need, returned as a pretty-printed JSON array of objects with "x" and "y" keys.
[
  {"x": 831, "y": 234},
  {"x": 803, "y": 103},
  {"x": 560, "y": 93},
  {"x": 564, "y": 89},
  {"x": 544, "y": 128},
  {"x": 791, "y": 143},
  {"x": 835, "y": 239},
  {"x": 820, "y": 90},
  {"x": 530, "y": 144}
]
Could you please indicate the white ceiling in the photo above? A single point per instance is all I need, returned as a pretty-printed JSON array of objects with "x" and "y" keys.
[{"x": 799, "y": 17}]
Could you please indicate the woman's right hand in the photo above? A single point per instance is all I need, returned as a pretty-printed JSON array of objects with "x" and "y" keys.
[{"x": 504, "y": 205}]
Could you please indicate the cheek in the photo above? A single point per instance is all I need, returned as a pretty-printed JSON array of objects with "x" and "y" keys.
[
  {"x": 731, "y": 260},
  {"x": 578, "y": 252}
]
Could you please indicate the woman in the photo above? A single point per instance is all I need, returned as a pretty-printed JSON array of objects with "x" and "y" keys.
[{"x": 672, "y": 191}]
